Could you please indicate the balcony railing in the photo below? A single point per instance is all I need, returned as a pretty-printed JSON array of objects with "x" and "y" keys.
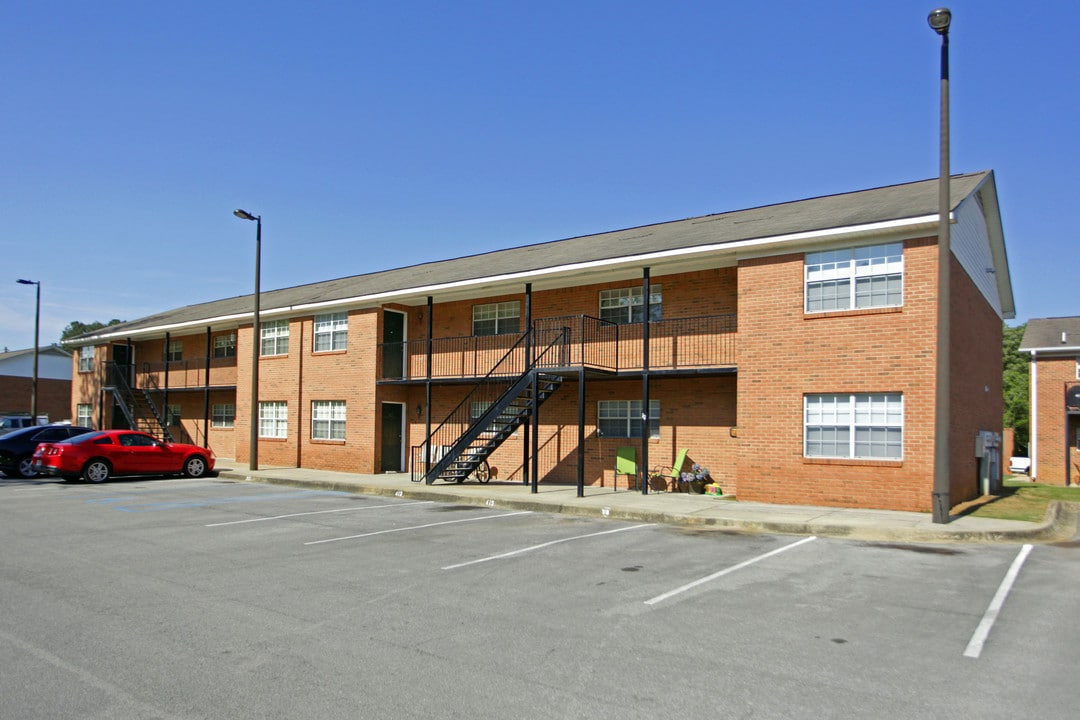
[
  {"x": 680, "y": 343},
  {"x": 190, "y": 373}
]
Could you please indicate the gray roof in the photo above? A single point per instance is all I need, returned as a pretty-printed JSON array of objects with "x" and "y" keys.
[
  {"x": 1044, "y": 334},
  {"x": 894, "y": 202},
  {"x": 43, "y": 350}
]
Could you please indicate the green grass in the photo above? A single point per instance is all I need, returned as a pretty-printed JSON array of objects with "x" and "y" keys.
[{"x": 1021, "y": 500}]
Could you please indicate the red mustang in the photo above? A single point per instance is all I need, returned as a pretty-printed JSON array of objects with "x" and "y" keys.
[{"x": 97, "y": 456}]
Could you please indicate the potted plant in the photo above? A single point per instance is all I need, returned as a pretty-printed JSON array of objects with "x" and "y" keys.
[{"x": 695, "y": 480}]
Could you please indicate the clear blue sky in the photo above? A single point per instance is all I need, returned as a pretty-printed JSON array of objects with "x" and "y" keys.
[{"x": 372, "y": 135}]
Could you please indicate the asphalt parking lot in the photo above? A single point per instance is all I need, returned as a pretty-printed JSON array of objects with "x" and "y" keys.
[{"x": 211, "y": 598}]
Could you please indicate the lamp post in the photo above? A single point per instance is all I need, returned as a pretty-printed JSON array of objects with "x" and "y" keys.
[
  {"x": 37, "y": 328},
  {"x": 940, "y": 20},
  {"x": 253, "y": 450}
]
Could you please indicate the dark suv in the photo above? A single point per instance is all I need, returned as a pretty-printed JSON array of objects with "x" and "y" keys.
[{"x": 17, "y": 447}]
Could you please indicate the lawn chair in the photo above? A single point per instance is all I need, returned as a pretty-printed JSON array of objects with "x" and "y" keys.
[
  {"x": 626, "y": 464},
  {"x": 670, "y": 475}
]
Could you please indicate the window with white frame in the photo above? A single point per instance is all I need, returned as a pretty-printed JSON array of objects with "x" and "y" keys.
[
  {"x": 223, "y": 415},
  {"x": 1078, "y": 368},
  {"x": 627, "y": 305},
  {"x": 225, "y": 346},
  {"x": 274, "y": 419},
  {"x": 175, "y": 351},
  {"x": 855, "y": 278},
  {"x": 863, "y": 426},
  {"x": 496, "y": 318},
  {"x": 86, "y": 358},
  {"x": 275, "y": 337},
  {"x": 172, "y": 415},
  {"x": 622, "y": 418},
  {"x": 331, "y": 332},
  {"x": 84, "y": 413},
  {"x": 328, "y": 420}
]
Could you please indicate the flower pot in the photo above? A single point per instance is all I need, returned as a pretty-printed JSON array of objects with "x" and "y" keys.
[{"x": 697, "y": 487}]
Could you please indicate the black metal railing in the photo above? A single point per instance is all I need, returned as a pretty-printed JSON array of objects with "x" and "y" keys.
[
  {"x": 485, "y": 396},
  {"x": 679, "y": 343}
]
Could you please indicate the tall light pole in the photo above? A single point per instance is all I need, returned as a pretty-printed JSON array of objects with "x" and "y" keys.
[
  {"x": 37, "y": 328},
  {"x": 939, "y": 20},
  {"x": 256, "y": 341}
]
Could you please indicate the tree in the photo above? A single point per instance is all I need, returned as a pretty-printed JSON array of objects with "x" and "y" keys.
[
  {"x": 76, "y": 328},
  {"x": 1015, "y": 386}
]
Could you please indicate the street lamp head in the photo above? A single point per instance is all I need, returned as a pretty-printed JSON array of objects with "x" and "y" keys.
[
  {"x": 244, "y": 215},
  {"x": 28, "y": 282},
  {"x": 939, "y": 20}
]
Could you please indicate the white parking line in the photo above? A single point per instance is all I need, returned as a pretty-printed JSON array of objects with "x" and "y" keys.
[
  {"x": 975, "y": 646},
  {"x": 319, "y": 512},
  {"x": 544, "y": 545},
  {"x": 418, "y": 527},
  {"x": 733, "y": 568}
]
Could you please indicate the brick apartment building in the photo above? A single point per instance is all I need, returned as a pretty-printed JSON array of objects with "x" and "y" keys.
[
  {"x": 54, "y": 381},
  {"x": 1054, "y": 347},
  {"x": 789, "y": 348}
]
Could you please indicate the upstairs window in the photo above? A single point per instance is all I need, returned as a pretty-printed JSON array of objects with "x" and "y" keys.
[
  {"x": 627, "y": 305},
  {"x": 175, "y": 351},
  {"x": 86, "y": 358},
  {"x": 496, "y": 318},
  {"x": 225, "y": 346},
  {"x": 331, "y": 332},
  {"x": 275, "y": 337},
  {"x": 863, "y": 426},
  {"x": 855, "y": 278}
]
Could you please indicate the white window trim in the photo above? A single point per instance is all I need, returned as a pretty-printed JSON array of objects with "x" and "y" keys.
[
  {"x": 223, "y": 344},
  {"x": 614, "y": 300},
  {"x": 853, "y": 424},
  {"x": 84, "y": 419},
  {"x": 274, "y": 419},
  {"x": 332, "y": 325},
  {"x": 175, "y": 347},
  {"x": 850, "y": 265},
  {"x": 502, "y": 313},
  {"x": 86, "y": 358},
  {"x": 275, "y": 332},
  {"x": 326, "y": 417},
  {"x": 223, "y": 415},
  {"x": 627, "y": 412}
]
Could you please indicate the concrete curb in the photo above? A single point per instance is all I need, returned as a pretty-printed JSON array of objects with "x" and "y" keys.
[{"x": 1061, "y": 522}]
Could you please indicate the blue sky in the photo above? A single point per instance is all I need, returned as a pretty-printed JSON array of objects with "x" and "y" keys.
[{"x": 373, "y": 135}]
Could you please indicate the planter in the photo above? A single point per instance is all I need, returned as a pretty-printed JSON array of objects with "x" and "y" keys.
[{"x": 696, "y": 487}]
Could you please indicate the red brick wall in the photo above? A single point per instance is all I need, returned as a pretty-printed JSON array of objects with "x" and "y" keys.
[
  {"x": 53, "y": 396},
  {"x": 976, "y": 382},
  {"x": 785, "y": 354},
  {"x": 1055, "y": 436}
]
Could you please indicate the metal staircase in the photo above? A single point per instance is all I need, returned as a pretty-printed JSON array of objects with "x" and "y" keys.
[
  {"x": 493, "y": 410},
  {"x": 137, "y": 405}
]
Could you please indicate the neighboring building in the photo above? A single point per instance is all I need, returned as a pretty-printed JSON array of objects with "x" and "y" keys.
[
  {"x": 54, "y": 381},
  {"x": 791, "y": 348},
  {"x": 1054, "y": 347}
]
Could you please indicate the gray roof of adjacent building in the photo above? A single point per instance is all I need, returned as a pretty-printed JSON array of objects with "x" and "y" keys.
[
  {"x": 1052, "y": 335},
  {"x": 754, "y": 229}
]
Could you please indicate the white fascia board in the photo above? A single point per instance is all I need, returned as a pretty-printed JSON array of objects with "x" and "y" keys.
[
  {"x": 1070, "y": 349},
  {"x": 571, "y": 268}
]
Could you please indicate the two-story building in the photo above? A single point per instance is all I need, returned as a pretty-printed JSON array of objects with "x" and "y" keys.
[
  {"x": 789, "y": 348},
  {"x": 1053, "y": 345}
]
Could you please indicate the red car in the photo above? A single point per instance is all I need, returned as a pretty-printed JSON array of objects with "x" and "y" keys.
[{"x": 97, "y": 456}]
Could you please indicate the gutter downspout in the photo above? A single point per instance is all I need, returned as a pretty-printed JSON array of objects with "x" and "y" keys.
[{"x": 1033, "y": 441}]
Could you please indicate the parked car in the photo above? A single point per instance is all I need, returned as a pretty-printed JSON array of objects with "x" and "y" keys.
[
  {"x": 17, "y": 447},
  {"x": 20, "y": 420},
  {"x": 97, "y": 456},
  {"x": 1019, "y": 465}
]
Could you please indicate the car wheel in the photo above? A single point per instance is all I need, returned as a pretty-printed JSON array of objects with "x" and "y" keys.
[
  {"x": 22, "y": 466},
  {"x": 195, "y": 466},
  {"x": 96, "y": 471}
]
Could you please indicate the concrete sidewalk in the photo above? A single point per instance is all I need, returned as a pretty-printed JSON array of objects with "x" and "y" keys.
[{"x": 701, "y": 511}]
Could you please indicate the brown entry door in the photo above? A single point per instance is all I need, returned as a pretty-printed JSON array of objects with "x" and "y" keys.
[{"x": 393, "y": 416}]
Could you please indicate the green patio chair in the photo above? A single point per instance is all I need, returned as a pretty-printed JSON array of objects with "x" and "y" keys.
[
  {"x": 626, "y": 464},
  {"x": 670, "y": 475}
]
